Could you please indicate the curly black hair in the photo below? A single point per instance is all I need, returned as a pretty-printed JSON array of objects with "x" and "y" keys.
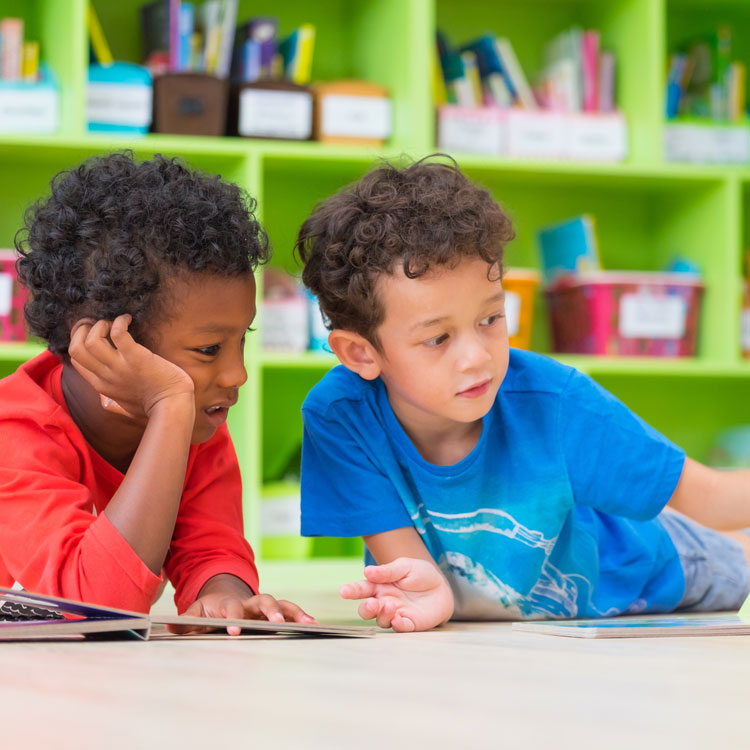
[
  {"x": 422, "y": 215},
  {"x": 114, "y": 230}
]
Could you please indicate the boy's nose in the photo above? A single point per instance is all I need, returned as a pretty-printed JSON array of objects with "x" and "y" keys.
[
  {"x": 473, "y": 354},
  {"x": 234, "y": 374}
]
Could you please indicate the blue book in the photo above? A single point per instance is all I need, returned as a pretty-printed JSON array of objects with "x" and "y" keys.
[
  {"x": 569, "y": 247},
  {"x": 187, "y": 27},
  {"x": 489, "y": 62}
]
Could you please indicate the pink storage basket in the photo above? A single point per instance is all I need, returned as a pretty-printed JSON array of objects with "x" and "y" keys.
[
  {"x": 12, "y": 298},
  {"x": 625, "y": 313}
]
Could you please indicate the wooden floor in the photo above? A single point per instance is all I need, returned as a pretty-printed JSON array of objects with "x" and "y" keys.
[{"x": 462, "y": 686}]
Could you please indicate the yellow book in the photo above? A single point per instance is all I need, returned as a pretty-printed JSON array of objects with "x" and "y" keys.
[
  {"x": 96, "y": 36},
  {"x": 30, "y": 62},
  {"x": 303, "y": 70},
  {"x": 439, "y": 93}
]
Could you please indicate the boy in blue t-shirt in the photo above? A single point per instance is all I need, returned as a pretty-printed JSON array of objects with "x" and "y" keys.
[{"x": 487, "y": 482}]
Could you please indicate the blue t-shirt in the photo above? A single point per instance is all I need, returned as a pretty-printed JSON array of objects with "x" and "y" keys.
[{"x": 552, "y": 514}]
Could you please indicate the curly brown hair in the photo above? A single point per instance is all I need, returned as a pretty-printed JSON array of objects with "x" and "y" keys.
[
  {"x": 114, "y": 230},
  {"x": 422, "y": 215}
]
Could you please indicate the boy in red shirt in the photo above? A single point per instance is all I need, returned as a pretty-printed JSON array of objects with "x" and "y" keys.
[{"x": 117, "y": 468}]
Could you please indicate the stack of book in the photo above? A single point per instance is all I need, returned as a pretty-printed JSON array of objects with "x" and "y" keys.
[
  {"x": 487, "y": 105},
  {"x": 704, "y": 81},
  {"x": 28, "y": 91},
  {"x": 180, "y": 36},
  {"x": 706, "y": 103},
  {"x": 577, "y": 75}
]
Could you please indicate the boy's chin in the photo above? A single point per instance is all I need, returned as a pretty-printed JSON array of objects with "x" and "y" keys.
[{"x": 202, "y": 434}]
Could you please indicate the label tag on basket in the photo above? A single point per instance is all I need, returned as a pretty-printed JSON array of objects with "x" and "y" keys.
[
  {"x": 119, "y": 104},
  {"x": 648, "y": 316},
  {"x": 269, "y": 113},
  {"x": 512, "y": 312},
  {"x": 744, "y": 330},
  {"x": 6, "y": 293},
  {"x": 356, "y": 116}
]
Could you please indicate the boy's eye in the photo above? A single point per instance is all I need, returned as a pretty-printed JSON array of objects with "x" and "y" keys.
[
  {"x": 437, "y": 340},
  {"x": 208, "y": 351},
  {"x": 490, "y": 319}
]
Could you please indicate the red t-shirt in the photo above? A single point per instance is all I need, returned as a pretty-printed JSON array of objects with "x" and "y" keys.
[{"x": 54, "y": 538}]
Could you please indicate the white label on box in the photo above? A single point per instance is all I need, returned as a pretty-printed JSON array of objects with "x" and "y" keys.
[
  {"x": 597, "y": 137},
  {"x": 6, "y": 293},
  {"x": 745, "y": 330},
  {"x": 266, "y": 113},
  {"x": 356, "y": 116},
  {"x": 512, "y": 312},
  {"x": 706, "y": 144},
  {"x": 285, "y": 325},
  {"x": 28, "y": 110},
  {"x": 280, "y": 516},
  {"x": 535, "y": 135},
  {"x": 650, "y": 316},
  {"x": 119, "y": 104},
  {"x": 460, "y": 131}
]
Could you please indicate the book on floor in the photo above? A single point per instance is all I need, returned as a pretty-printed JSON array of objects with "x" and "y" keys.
[
  {"x": 648, "y": 626},
  {"x": 28, "y": 616}
]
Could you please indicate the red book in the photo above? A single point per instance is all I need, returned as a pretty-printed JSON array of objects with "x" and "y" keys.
[{"x": 590, "y": 70}]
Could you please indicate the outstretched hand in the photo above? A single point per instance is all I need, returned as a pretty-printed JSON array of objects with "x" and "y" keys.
[
  {"x": 130, "y": 378},
  {"x": 230, "y": 606},
  {"x": 407, "y": 594}
]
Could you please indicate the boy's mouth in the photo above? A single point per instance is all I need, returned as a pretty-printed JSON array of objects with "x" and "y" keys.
[
  {"x": 476, "y": 390},
  {"x": 216, "y": 415}
]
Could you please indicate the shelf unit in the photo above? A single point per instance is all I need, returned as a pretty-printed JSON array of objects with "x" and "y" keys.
[{"x": 646, "y": 210}]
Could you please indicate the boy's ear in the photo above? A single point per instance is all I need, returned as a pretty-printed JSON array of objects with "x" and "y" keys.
[{"x": 355, "y": 352}]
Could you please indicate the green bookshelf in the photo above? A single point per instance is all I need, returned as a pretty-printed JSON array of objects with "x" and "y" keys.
[{"x": 646, "y": 210}]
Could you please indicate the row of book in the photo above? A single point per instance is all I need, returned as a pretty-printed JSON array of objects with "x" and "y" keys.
[
  {"x": 704, "y": 81},
  {"x": 19, "y": 58},
  {"x": 181, "y": 36},
  {"x": 576, "y": 74}
]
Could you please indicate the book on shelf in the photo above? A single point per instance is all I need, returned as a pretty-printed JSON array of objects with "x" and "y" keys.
[
  {"x": 649, "y": 626},
  {"x": 99, "y": 47},
  {"x": 28, "y": 616},
  {"x": 568, "y": 247}
]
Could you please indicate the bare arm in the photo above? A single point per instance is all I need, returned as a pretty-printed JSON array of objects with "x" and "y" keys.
[
  {"x": 144, "y": 507},
  {"x": 718, "y": 499},
  {"x": 406, "y": 590}
]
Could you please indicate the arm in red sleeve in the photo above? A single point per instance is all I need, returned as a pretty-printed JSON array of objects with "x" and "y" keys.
[
  {"x": 209, "y": 537},
  {"x": 51, "y": 540}
]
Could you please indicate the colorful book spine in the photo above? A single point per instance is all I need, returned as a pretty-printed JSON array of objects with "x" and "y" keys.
[
  {"x": 11, "y": 32},
  {"x": 524, "y": 96},
  {"x": 590, "y": 70},
  {"x": 228, "y": 25},
  {"x": 98, "y": 41},
  {"x": 187, "y": 29},
  {"x": 607, "y": 82},
  {"x": 175, "y": 55},
  {"x": 30, "y": 63},
  {"x": 471, "y": 72}
]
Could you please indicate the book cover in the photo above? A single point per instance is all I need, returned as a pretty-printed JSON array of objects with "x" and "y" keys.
[
  {"x": 650, "y": 626},
  {"x": 590, "y": 70},
  {"x": 11, "y": 35},
  {"x": 513, "y": 71},
  {"x": 569, "y": 247}
]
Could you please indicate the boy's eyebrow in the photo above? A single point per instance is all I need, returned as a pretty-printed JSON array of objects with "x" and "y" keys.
[
  {"x": 214, "y": 329},
  {"x": 434, "y": 321}
]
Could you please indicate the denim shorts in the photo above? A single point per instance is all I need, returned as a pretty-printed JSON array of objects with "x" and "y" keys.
[{"x": 717, "y": 576}]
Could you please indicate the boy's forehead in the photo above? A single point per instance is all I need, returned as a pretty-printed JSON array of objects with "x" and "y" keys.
[{"x": 439, "y": 288}]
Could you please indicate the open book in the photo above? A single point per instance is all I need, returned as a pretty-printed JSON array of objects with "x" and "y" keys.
[
  {"x": 627, "y": 626},
  {"x": 27, "y": 616}
]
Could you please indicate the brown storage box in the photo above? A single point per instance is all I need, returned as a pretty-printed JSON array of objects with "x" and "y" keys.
[{"x": 190, "y": 104}]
